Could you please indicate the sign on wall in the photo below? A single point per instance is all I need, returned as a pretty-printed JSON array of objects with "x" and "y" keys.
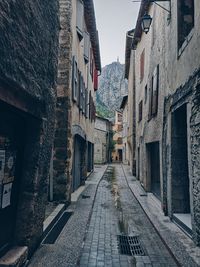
[{"x": 7, "y": 171}]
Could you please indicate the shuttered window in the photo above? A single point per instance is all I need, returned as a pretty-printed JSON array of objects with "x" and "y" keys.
[
  {"x": 80, "y": 91},
  {"x": 153, "y": 93},
  {"x": 83, "y": 99},
  {"x": 142, "y": 62},
  {"x": 95, "y": 80},
  {"x": 79, "y": 18},
  {"x": 86, "y": 46},
  {"x": 140, "y": 111},
  {"x": 74, "y": 80},
  {"x": 155, "y": 83},
  {"x": 185, "y": 20},
  {"x": 86, "y": 103},
  {"x": 91, "y": 64}
]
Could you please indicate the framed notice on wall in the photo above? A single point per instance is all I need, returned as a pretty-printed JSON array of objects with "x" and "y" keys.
[
  {"x": 7, "y": 171},
  {"x": 2, "y": 165},
  {"x": 6, "y": 195}
]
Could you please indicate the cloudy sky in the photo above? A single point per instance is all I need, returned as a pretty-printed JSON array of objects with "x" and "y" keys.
[{"x": 114, "y": 18}]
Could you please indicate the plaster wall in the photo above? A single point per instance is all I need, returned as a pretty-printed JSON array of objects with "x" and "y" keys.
[
  {"x": 78, "y": 50},
  {"x": 131, "y": 113},
  {"x": 178, "y": 85},
  {"x": 149, "y": 129}
]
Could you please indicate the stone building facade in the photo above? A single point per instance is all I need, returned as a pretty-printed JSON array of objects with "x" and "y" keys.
[
  {"x": 102, "y": 140},
  {"x": 124, "y": 108},
  {"x": 130, "y": 76},
  {"x": 78, "y": 70},
  {"x": 28, "y": 66},
  {"x": 167, "y": 109},
  {"x": 117, "y": 153}
]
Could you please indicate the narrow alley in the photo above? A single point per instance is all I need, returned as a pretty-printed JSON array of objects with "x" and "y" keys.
[{"x": 95, "y": 235}]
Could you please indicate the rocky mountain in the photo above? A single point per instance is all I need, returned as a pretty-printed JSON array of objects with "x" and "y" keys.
[{"x": 112, "y": 87}]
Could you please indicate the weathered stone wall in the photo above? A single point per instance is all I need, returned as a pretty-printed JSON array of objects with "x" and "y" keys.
[
  {"x": 195, "y": 158},
  {"x": 28, "y": 52},
  {"x": 149, "y": 129},
  {"x": 178, "y": 86},
  {"x": 100, "y": 146},
  {"x": 63, "y": 142},
  {"x": 131, "y": 113}
]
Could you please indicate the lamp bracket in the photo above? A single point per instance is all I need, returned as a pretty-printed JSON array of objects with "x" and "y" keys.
[{"x": 155, "y": 1}]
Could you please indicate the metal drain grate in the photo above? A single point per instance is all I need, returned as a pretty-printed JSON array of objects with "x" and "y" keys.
[{"x": 130, "y": 245}]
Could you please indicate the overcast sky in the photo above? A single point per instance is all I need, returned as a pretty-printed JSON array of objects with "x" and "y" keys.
[{"x": 114, "y": 18}]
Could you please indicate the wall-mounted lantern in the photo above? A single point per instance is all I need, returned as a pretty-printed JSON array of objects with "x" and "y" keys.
[
  {"x": 146, "y": 23},
  {"x": 147, "y": 19}
]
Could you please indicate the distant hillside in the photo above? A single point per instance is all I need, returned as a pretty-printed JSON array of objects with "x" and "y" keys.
[{"x": 112, "y": 87}]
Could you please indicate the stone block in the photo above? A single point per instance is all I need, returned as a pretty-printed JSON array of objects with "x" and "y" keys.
[{"x": 15, "y": 257}]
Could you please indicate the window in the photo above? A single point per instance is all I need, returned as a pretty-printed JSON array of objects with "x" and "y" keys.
[
  {"x": 119, "y": 141},
  {"x": 86, "y": 103},
  {"x": 95, "y": 80},
  {"x": 80, "y": 102},
  {"x": 83, "y": 99},
  {"x": 140, "y": 111},
  {"x": 185, "y": 20},
  {"x": 86, "y": 46},
  {"x": 142, "y": 58},
  {"x": 79, "y": 18},
  {"x": 74, "y": 80},
  {"x": 91, "y": 64},
  {"x": 119, "y": 127},
  {"x": 153, "y": 93},
  {"x": 145, "y": 94},
  {"x": 119, "y": 117}
]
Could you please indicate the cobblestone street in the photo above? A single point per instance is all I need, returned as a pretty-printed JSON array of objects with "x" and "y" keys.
[
  {"x": 105, "y": 211},
  {"x": 117, "y": 212}
]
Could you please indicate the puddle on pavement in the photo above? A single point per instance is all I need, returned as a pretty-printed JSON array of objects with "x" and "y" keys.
[
  {"x": 111, "y": 184},
  {"x": 110, "y": 176}
]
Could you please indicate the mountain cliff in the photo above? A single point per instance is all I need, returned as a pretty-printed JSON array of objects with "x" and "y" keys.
[{"x": 112, "y": 87}]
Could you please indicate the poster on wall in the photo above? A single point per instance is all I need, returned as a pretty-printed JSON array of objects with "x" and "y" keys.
[
  {"x": 2, "y": 165},
  {"x": 9, "y": 169},
  {"x": 6, "y": 195}
]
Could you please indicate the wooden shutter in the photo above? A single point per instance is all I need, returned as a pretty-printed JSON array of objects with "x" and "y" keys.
[
  {"x": 142, "y": 62},
  {"x": 90, "y": 105},
  {"x": 79, "y": 88},
  {"x": 83, "y": 99},
  {"x": 81, "y": 92},
  {"x": 79, "y": 18},
  {"x": 140, "y": 110},
  {"x": 86, "y": 46},
  {"x": 95, "y": 80},
  {"x": 86, "y": 103},
  {"x": 150, "y": 99},
  {"x": 155, "y": 91},
  {"x": 74, "y": 79}
]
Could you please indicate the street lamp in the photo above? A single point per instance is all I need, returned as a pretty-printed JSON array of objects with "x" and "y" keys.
[
  {"x": 147, "y": 19},
  {"x": 146, "y": 22}
]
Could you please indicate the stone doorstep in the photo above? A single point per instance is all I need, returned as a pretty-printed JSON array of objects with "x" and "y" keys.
[{"x": 15, "y": 257}]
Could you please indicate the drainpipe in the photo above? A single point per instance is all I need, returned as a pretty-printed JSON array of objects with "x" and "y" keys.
[{"x": 51, "y": 178}]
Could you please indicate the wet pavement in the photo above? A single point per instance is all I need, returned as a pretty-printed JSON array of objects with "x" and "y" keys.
[
  {"x": 117, "y": 212},
  {"x": 105, "y": 213}
]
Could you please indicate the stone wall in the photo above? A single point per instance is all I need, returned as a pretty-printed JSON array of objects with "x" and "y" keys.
[
  {"x": 187, "y": 94},
  {"x": 178, "y": 87},
  {"x": 195, "y": 158},
  {"x": 63, "y": 141},
  {"x": 28, "y": 66}
]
